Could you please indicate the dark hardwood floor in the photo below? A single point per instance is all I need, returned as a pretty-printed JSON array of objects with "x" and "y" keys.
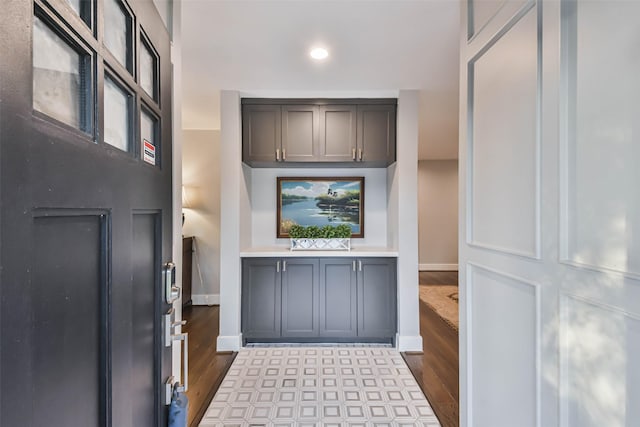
[
  {"x": 436, "y": 368},
  {"x": 207, "y": 367}
]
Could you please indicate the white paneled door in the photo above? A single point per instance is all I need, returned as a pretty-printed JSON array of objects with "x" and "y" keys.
[{"x": 550, "y": 213}]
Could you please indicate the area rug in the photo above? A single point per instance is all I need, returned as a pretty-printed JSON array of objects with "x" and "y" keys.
[
  {"x": 443, "y": 299},
  {"x": 319, "y": 386}
]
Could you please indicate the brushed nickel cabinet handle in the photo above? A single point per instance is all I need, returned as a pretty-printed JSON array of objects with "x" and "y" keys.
[
  {"x": 278, "y": 267},
  {"x": 284, "y": 154},
  {"x": 359, "y": 265},
  {"x": 277, "y": 154},
  {"x": 360, "y": 154},
  {"x": 353, "y": 154},
  {"x": 354, "y": 262},
  {"x": 284, "y": 265}
]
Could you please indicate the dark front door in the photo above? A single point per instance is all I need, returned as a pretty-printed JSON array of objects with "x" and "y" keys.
[{"x": 85, "y": 225}]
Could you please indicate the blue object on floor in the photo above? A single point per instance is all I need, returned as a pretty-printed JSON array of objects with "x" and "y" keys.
[{"x": 178, "y": 408}]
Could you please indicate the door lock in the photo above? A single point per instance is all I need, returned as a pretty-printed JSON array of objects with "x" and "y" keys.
[{"x": 171, "y": 291}]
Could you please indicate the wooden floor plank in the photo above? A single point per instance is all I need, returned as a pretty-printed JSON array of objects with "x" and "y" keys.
[
  {"x": 436, "y": 368},
  {"x": 207, "y": 367}
]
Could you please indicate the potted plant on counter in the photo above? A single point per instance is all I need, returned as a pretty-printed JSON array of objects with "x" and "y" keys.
[{"x": 314, "y": 238}]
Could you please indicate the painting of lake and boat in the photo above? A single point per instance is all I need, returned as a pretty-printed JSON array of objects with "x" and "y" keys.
[{"x": 320, "y": 202}]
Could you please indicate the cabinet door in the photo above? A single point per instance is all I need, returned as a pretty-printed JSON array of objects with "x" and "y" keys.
[
  {"x": 338, "y": 133},
  {"x": 338, "y": 304},
  {"x": 261, "y": 133},
  {"x": 299, "y": 133},
  {"x": 376, "y": 297},
  {"x": 300, "y": 293},
  {"x": 261, "y": 298},
  {"x": 377, "y": 134}
]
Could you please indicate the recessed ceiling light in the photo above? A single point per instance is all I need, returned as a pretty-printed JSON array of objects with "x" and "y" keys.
[{"x": 319, "y": 53}]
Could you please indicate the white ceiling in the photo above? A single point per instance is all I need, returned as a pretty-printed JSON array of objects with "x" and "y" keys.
[{"x": 376, "y": 47}]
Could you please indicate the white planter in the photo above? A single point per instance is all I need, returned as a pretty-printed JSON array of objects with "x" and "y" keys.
[{"x": 321, "y": 244}]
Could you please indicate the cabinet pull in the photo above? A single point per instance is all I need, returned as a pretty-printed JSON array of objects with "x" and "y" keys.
[
  {"x": 278, "y": 267},
  {"x": 354, "y": 265},
  {"x": 359, "y": 265},
  {"x": 277, "y": 154},
  {"x": 284, "y": 154},
  {"x": 284, "y": 265},
  {"x": 353, "y": 156},
  {"x": 360, "y": 154}
]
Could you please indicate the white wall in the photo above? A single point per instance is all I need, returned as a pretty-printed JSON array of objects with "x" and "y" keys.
[
  {"x": 201, "y": 180},
  {"x": 264, "y": 200},
  {"x": 438, "y": 214}
]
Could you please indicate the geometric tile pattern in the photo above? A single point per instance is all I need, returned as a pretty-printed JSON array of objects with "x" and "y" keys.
[{"x": 319, "y": 386}]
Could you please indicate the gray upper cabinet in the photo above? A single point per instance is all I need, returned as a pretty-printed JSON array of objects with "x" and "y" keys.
[
  {"x": 319, "y": 133},
  {"x": 376, "y": 297},
  {"x": 300, "y": 292},
  {"x": 376, "y": 135},
  {"x": 338, "y": 297},
  {"x": 261, "y": 133},
  {"x": 299, "y": 133},
  {"x": 261, "y": 298},
  {"x": 338, "y": 133}
]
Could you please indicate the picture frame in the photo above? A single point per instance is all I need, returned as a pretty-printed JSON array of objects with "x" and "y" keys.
[{"x": 320, "y": 201}]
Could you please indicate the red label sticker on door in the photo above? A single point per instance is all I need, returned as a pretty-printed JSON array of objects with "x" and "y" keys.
[{"x": 148, "y": 152}]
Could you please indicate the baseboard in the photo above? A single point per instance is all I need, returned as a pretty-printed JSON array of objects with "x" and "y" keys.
[
  {"x": 209, "y": 299},
  {"x": 438, "y": 267},
  {"x": 229, "y": 343},
  {"x": 409, "y": 343}
]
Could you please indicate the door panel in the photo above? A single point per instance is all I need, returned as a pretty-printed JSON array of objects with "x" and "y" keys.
[
  {"x": 68, "y": 316},
  {"x": 261, "y": 133},
  {"x": 68, "y": 202},
  {"x": 146, "y": 264},
  {"x": 376, "y": 298}
]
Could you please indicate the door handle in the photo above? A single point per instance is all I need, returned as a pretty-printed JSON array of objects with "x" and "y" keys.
[
  {"x": 277, "y": 154},
  {"x": 359, "y": 265},
  {"x": 171, "y": 291},
  {"x": 354, "y": 265},
  {"x": 278, "y": 267},
  {"x": 284, "y": 266},
  {"x": 360, "y": 154},
  {"x": 353, "y": 154},
  {"x": 284, "y": 154},
  {"x": 184, "y": 337}
]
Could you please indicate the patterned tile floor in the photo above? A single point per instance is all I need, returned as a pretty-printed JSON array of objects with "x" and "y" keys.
[{"x": 307, "y": 386}]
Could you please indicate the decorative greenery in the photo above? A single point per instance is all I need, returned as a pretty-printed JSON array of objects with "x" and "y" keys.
[{"x": 342, "y": 231}]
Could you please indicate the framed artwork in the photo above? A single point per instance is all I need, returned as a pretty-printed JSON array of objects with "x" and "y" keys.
[{"x": 320, "y": 201}]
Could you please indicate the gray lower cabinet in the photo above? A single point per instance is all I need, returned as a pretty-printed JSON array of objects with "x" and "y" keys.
[
  {"x": 376, "y": 297},
  {"x": 319, "y": 299},
  {"x": 338, "y": 298},
  {"x": 300, "y": 293},
  {"x": 261, "y": 298}
]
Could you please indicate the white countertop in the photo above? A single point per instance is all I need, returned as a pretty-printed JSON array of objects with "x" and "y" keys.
[{"x": 284, "y": 251}]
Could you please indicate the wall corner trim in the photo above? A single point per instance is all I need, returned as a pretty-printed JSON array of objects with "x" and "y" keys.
[
  {"x": 229, "y": 343},
  {"x": 438, "y": 267},
  {"x": 409, "y": 343}
]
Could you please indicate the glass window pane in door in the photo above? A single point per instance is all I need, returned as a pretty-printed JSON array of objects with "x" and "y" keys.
[
  {"x": 83, "y": 9},
  {"x": 148, "y": 71},
  {"x": 117, "y": 31},
  {"x": 117, "y": 115},
  {"x": 60, "y": 75},
  {"x": 148, "y": 135}
]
